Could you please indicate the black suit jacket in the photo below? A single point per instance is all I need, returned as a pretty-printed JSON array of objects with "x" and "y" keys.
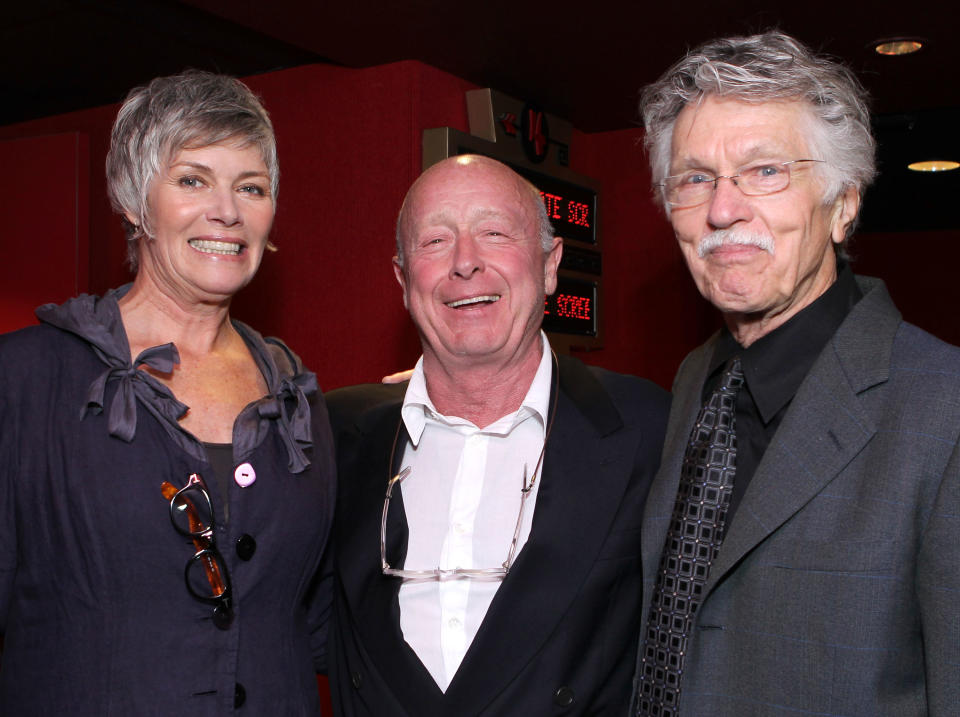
[{"x": 560, "y": 634}]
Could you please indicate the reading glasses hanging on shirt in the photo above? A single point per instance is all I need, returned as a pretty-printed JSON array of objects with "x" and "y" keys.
[
  {"x": 191, "y": 512},
  {"x": 439, "y": 573}
]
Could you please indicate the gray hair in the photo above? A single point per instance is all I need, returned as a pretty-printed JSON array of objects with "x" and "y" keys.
[
  {"x": 761, "y": 68},
  {"x": 193, "y": 109},
  {"x": 544, "y": 227}
]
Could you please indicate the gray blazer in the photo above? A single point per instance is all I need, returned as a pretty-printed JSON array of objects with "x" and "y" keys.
[{"x": 837, "y": 589}]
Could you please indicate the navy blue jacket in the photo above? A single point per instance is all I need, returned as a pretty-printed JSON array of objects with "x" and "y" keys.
[{"x": 94, "y": 611}]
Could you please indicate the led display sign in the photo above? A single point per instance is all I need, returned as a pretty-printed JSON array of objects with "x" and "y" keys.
[
  {"x": 571, "y": 208},
  {"x": 572, "y": 309}
]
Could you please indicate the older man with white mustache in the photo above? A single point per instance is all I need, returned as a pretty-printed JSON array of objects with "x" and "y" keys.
[{"x": 799, "y": 545}]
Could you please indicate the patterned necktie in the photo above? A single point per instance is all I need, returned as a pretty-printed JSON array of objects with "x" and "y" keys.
[{"x": 693, "y": 541}]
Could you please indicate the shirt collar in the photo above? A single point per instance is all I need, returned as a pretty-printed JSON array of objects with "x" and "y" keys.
[
  {"x": 418, "y": 408},
  {"x": 97, "y": 320},
  {"x": 775, "y": 365}
]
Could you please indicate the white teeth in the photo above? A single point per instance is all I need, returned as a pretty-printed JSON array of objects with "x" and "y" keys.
[
  {"x": 473, "y": 300},
  {"x": 209, "y": 246}
]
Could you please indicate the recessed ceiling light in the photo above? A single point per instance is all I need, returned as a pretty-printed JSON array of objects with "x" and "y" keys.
[
  {"x": 934, "y": 165},
  {"x": 897, "y": 46}
]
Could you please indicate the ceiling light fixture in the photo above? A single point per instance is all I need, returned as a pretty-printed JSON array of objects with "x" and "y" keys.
[
  {"x": 896, "y": 46},
  {"x": 934, "y": 165}
]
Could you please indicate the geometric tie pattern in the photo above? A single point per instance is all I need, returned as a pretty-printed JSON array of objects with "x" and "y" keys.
[{"x": 693, "y": 542}]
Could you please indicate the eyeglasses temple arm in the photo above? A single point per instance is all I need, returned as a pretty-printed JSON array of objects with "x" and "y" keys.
[{"x": 384, "y": 565}]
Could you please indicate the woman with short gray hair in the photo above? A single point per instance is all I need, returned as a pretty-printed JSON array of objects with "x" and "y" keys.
[{"x": 166, "y": 475}]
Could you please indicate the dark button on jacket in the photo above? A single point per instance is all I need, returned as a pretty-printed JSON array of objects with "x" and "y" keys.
[
  {"x": 246, "y": 546},
  {"x": 563, "y": 697}
]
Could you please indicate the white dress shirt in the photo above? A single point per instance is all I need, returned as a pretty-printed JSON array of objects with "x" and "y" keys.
[{"x": 462, "y": 499}]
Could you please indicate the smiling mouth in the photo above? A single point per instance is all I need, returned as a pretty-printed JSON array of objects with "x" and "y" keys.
[
  {"x": 474, "y": 300},
  {"x": 210, "y": 246}
]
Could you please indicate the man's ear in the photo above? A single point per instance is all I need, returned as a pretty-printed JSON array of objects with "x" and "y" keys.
[
  {"x": 401, "y": 279},
  {"x": 550, "y": 266},
  {"x": 844, "y": 212}
]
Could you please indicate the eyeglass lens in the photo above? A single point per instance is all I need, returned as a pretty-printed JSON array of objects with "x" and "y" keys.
[
  {"x": 205, "y": 575},
  {"x": 191, "y": 511}
]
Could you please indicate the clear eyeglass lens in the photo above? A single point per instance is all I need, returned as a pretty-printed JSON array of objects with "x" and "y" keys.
[
  {"x": 764, "y": 179},
  {"x": 682, "y": 192},
  {"x": 192, "y": 512},
  {"x": 201, "y": 567}
]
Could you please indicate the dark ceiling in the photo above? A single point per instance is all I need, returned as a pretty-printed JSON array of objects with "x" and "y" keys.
[{"x": 583, "y": 61}]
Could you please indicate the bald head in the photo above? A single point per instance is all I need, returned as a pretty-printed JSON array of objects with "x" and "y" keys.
[
  {"x": 477, "y": 168},
  {"x": 477, "y": 259}
]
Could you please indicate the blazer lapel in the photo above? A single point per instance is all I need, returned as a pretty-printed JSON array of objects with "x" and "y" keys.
[
  {"x": 824, "y": 429},
  {"x": 587, "y": 466},
  {"x": 822, "y": 432},
  {"x": 370, "y": 596}
]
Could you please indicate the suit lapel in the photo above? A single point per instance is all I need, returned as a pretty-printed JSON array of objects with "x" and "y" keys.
[
  {"x": 823, "y": 430},
  {"x": 370, "y": 596},
  {"x": 586, "y": 470}
]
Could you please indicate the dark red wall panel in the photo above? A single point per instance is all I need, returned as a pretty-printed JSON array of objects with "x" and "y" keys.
[{"x": 45, "y": 238}]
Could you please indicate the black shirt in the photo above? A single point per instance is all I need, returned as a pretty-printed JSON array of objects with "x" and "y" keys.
[{"x": 774, "y": 366}]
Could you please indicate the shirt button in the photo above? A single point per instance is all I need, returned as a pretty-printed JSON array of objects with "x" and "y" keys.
[
  {"x": 458, "y": 528},
  {"x": 244, "y": 475},
  {"x": 563, "y": 697},
  {"x": 246, "y": 547},
  {"x": 454, "y": 623},
  {"x": 357, "y": 679},
  {"x": 239, "y": 696},
  {"x": 222, "y": 617}
]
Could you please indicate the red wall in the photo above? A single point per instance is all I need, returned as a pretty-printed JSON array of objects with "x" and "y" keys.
[
  {"x": 46, "y": 246},
  {"x": 105, "y": 238}
]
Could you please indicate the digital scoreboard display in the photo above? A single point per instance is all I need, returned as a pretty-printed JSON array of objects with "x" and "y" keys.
[
  {"x": 572, "y": 209},
  {"x": 572, "y": 308}
]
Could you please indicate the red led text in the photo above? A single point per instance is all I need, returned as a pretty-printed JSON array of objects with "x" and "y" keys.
[
  {"x": 570, "y": 306},
  {"x": 576, "y": 213}
]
